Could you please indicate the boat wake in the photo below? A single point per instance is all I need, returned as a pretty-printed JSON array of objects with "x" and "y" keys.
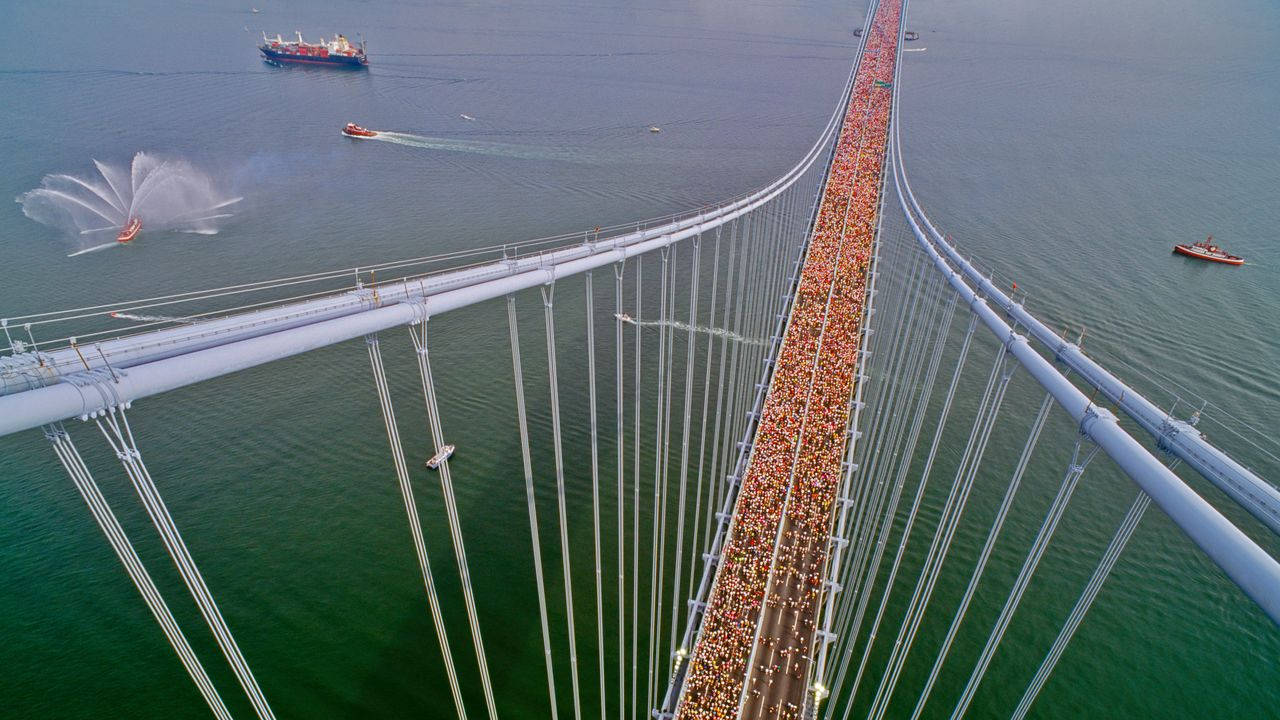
[
  {"x": 478, "y": 147},
  {"x": 162, "y": 193},
  {"x": 685, "y": 327},
  {"x": 151, "y": 318}
]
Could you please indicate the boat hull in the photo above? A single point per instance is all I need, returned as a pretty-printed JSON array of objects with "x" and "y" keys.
[
  {"x": 129, "y": 231},
  {"x": 1199, "y": 255},
  {"x": 333, "y": 60}
]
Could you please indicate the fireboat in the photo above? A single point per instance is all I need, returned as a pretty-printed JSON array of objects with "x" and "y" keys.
[
  {"x": 130, "y": 230},
  {"x": 1208, "y": 250},
  {"x": 355, "y": 131}
]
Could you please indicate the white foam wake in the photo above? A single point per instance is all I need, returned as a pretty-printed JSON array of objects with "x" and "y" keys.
[{"x": 685, "y": 327}]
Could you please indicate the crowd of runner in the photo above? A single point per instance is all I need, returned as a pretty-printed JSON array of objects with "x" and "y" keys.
[{"x": 790, "y": 485}]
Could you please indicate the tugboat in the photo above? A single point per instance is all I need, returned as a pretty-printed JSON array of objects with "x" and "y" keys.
[
  {"x": 338, "y": 52},
  {"x": 355, "y": 131},
  {"x": 1207, "y": 250},
  {"x": 130, "y": 230}
]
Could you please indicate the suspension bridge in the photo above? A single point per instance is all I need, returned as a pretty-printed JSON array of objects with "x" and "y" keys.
[{"x": 783, "y": 433}]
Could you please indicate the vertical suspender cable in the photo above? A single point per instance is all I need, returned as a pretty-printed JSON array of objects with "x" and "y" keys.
[
  {"x": 702, "y": 480},
  {"x": 720, "y": 455},
  {"x": 595, "y": 483},
  {"x": 669, "y": 328},
  {"x": 548, "y": 294},
  {"x": 75, "y": 466},
  {"x": 987, "y": 547},
  {"x": 622, "y": 494},
  {"x": 122, "y": 442},
  {"x": 684, "y": 445},
  {"x": 1038, "y": 547},
  {"x": 451, "y": 510},
  {"x": 987, "y": 419},
  {"x": 415, "y": 524},
  {"x": 654, "y": 567},
  {"x": 522, "y": 416},
  {"x": 1109, "y": 558},
  {"x": 635, "y": 505}
]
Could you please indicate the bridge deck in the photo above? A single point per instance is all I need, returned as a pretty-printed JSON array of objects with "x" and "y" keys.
[{"x": 768, "y": 589}]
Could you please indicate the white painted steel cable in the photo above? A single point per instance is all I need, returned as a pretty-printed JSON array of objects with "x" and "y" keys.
[
  {"x": 984, "y": 555},
  {"x": 681, "y": 520},
  {"x": 658, "y": 500},
  {"x": 530, "y": 496},
  {"x": 548, "y": 294},
  {"x": 88, "y": 488},
  {"x": 939, "y": 531},
  {"x": 889, "y": 682},
  {"x": 669, "y": 329},
  {"x": 908, "y": 452},
  {"x": 121, "y": 440},
  {"x": 595, "y": 484},
  {"x": 702, "y": 481},
  {"x": 1059, "y": 506},
  {"x": 445, "y": 471},
  {"x": 635, "y": 505},
  {"x": 1100, "y": 574},
  {"x": 415, "y": 523},
  {"x": 881, "y": 467},
  {"x": 618, "y": 271}
]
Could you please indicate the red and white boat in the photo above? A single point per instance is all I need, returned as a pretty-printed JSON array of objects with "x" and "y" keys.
[
  {"x": 355, "y": 131},
  {"x": 1207, "y": 250},
  {"x": 130, "y": 230}
]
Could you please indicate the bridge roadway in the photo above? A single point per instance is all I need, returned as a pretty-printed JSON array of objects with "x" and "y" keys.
[{"x": 753, "y": 660}]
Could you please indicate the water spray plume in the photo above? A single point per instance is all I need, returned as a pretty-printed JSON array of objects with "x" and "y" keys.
[{"x": 164, "y": 193}]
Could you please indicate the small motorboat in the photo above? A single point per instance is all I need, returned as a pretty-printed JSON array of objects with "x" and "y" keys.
[
  {"x": 655, "y": 129},
  {"x": 624, "y": 318},
  {"x": 1208, "y": 250},
  {"x": 130, "y": 230},
  {"x": 911, "y": 35},
  {"x": 355, "y": 131},
  {"x": 441, "y": 455}
]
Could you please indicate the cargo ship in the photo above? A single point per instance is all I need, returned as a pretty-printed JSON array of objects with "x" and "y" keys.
[{"x": 338, "y": 52}]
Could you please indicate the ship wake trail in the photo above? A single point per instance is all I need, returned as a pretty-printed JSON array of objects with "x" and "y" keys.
[
  {"x": 151, "y": 318},
  {"x": 164, "y": 193},
  {"x": 478, "y": 147},
  {"x": 685, "y": 327}
]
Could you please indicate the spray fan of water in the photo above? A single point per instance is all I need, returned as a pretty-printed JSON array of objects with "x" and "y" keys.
[{"x": 164, "y": 193}]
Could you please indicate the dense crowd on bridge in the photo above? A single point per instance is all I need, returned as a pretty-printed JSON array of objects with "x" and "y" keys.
[{"x": 789, "y": 488}]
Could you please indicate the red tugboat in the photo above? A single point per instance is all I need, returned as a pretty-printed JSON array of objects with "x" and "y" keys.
[
  {"x": 355, "y": 131},
  {"x": 130, "y": 230},
  {"x": 1207, "y": 250}
]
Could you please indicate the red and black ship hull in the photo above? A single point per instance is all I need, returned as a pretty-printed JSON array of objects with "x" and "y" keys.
[{"x": 331, "y": 59}]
